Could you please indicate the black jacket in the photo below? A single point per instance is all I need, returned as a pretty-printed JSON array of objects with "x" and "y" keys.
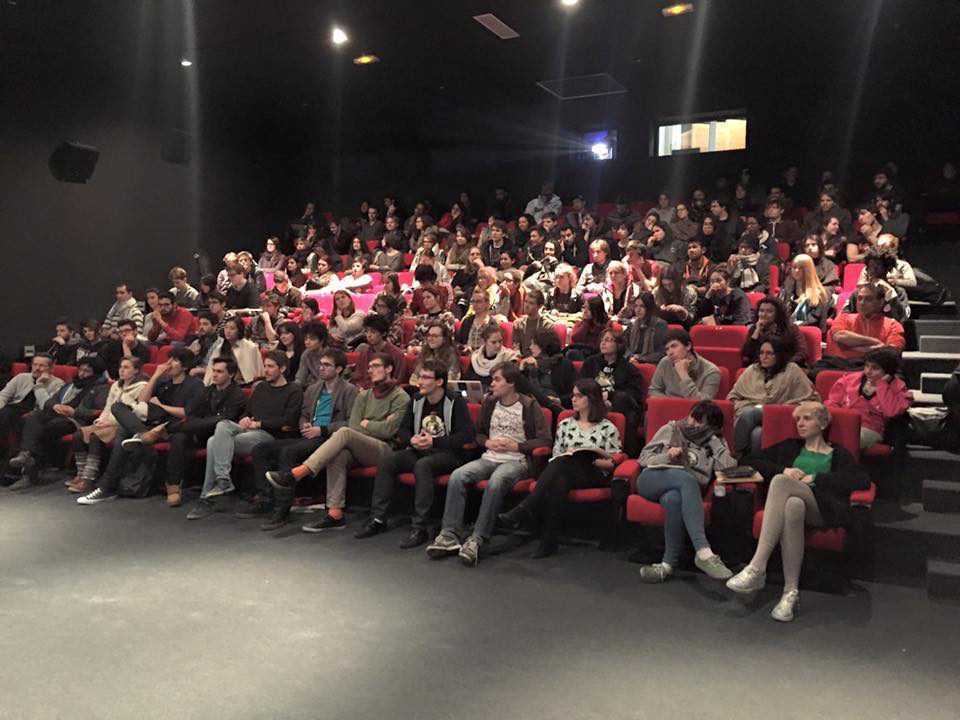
[
  {"x": 552, "y": 377},
  {"x": 459, "y": 433},
  {"x": 832, "y": 490},
  {"x": 626, "y": 378},
  {"x": 212, "y": 403}
]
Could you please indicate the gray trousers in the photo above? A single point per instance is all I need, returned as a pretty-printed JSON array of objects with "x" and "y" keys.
[
  {"x": 502, "y": 477},
  {"x": 228, "y": 439}
]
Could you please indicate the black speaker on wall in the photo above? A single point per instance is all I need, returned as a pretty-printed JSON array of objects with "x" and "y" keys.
[{"x": 73, "y": 162}]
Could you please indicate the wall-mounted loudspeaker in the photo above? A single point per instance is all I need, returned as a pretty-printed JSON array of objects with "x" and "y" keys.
[{"x": 73, "y": 162}]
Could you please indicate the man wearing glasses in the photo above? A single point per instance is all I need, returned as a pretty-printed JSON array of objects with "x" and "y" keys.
[
  {"x": 326, "y": 409},
  {"x": 366, "y": 440}
]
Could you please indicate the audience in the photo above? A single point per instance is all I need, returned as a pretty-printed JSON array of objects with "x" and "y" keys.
[
  {"x": 125, "y": 308},
  {"x": 646, "y": 335},
  {"x": 478, "y": 318},
  {"x": 530, "y": 323},
  {"x": 726, "y": 305},
  {"x": 773, "y": 322},
  {"x": 585, "y": 336},
  {"x": 683, "y": 373},
  {"x": 491, "y": 355},
  {"x": 621, "y": 382},
  {"x": 547, "y": 375},
  {"x": 127, "y": 345},
  {"x": 853, "y": 334},
  {"x": 246, "y": 354},
  {"x": 438, "y": 348},
  {"x": 346, "y": 323},
  {"x": 316, "y": 338},
  {"x": 376, "y": 330}
]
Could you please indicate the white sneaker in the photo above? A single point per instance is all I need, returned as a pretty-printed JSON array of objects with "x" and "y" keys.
[
  {"x": 747, "y": 580},
  {"x": 786, "y": 610},
  {"x": 97, "y": 496}
]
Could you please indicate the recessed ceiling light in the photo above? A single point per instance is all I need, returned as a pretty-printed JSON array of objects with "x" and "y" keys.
[
  {"x": 186, "y": 63},
  {"x": 677, "y": 9},
  {"x": 366, "y": 59},
  {"x": 338, "y": 36},
  {"x": 569, "y": 3}
]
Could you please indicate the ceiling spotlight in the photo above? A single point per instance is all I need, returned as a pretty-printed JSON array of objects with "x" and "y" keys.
[
  {"x": 677, "y": 9},
  {"x": 186, "y": 63},
  {"x": 366, "y": 59},
  {"x": 339, "y": 37},
  {"x": 601, "y": 151},
  {"x": 569, "y": 3}
]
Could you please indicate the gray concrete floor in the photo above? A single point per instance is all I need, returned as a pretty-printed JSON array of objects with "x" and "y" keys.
[{"x": 126, "y": 610}]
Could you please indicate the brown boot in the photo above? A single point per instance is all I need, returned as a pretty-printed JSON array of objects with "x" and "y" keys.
[
  {"x": 173, "y": 496},
  {"x": 79, "y": 485},
  {"x": 154, "y": 434}
]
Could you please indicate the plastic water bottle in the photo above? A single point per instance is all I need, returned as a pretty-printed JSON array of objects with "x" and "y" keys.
[{"x": 719, "y": 489}]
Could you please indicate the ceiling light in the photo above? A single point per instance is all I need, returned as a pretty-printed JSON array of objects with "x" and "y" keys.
[
  {"x": 677, "y": 9},
  {"x": 569, "y": 3},
  {"x": 339, "y": 37},
  {"x": 366, "y": 59},
  {"x": 497, "y": 26},
  {"x": 601, "y": 151},
  {"x": 186, "y": 63}
]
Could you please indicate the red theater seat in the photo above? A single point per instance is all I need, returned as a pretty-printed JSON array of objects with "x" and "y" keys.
[
  {"x": 814, "y": 339},
  {"x": 724, "y": 357},
  {"x": 851, "y": 273},
  {"x": 755, "y": 298},
  {"x": 718, "y": 336},
  {"x": 507, "y": 329}
]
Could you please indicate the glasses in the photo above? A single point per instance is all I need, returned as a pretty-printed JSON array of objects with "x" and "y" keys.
[
  {"x": 375, "y": 364},
  {"x": 327, "y": 364}
]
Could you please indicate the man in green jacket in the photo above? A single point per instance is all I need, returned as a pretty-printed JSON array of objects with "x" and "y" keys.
[{"x": 367, "y": 440}]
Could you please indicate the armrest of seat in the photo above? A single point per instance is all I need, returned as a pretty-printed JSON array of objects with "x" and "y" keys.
[
  {"x": 864, "y": 497},
  {"x": 628, "y": 470}
]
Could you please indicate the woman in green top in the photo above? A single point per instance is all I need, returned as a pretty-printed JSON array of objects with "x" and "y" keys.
[{"x": 810, "y": 485}]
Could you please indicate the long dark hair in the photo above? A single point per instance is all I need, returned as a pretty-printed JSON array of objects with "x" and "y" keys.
[
  {"x": 598, "y": 313},
  {"x": 780, "y": 316},
  {"x": 675, "y": 296},
  {"x": 294, "y": 329},
  {"x": 242, "y": 333},
  {"x": 781, "y": 350},
  {"x": 594, "y": 394}
]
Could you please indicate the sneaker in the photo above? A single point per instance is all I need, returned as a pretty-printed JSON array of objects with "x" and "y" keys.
[
  {"x": 788, "y": 607},
  {"x": 747, "y": 581},
  {"x": 656, "y": 573},
  {"x": 253, "y": 509},
  {"x": 19, "y": 460},
  {"x": 221, "y": 487},
  {"x": 470, "y": 551},
  {"x": 204, "y": 508},
  {"x": 97, "y": 496},
  {"x": 328, "y": 523},
  {"x": 416, "y": 538},
  {"x": 714, "y": 568},
  {"x": 374, "y": 527},
  {"x": 281, "y": 479},
  {"x": 446, "y": 543},
  {"x": 129, "y": 442},
  {"x": 23, "y": 483},
  {"x": 277, "y": 520}
]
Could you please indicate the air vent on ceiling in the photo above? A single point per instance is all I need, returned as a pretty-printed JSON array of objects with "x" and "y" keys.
[
  {"x": 497, "y": 26},
  {"x": 582, "y": 86}
]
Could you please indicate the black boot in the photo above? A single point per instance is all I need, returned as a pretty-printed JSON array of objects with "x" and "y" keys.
[
  {"x": 516, "y": 519},
  {"x": 279, "y": 518}
]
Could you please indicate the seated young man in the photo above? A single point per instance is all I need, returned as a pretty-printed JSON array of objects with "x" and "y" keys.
[
  {"x": 433, "y": 437},
  {"x": 26, "y": 391},
  {"x": 127, "y": 346},
  {"x": 375, "y": 329},
  {"x": 510, "y": 426},
  {"x": 203, "y": 341},
  {"x": 852, "y": 335},
  {"x": 273, "y": 411},
  {"x": 526, "y": 327},
  {"x": 167, "y": 394},
  {"x": 242, "y": 293},
  {"x": 326, "y": 408},
  {"x": 367, "y": 439},
  {"x": 171, "y": 323},
  {"x": 75, "y": 404},
  {"x": 65, "y": 343},
  {"x": 683, "y": 373},
  {"x": 183, "y": 292},
  {"x": 125, "y": 308}
]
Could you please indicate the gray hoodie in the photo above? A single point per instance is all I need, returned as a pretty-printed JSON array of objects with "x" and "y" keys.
[{"x": 701, "y": 461}]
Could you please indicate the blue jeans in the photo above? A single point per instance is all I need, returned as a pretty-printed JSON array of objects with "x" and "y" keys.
[
  {"x": 228, "y": 440},
  {"x": 502, "y": 476},
  {"x": 747, "y": 430},
  {"x": 678, "y": 491}
]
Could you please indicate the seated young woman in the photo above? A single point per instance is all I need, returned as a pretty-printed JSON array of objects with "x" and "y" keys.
[
  {"x": 834, "y": 242},
  {"x": 619, "y": 294},
  {"x": 476, "y": 321},
  {"x": 564, "y": 300},
  {"x": 726, "y": 305},
  {"x": 357, "y": 280},
  {"x": 489, "y": 356},
  {"x": 234, "y": 341},
  {"x": 622, "y": 383},
  {"x": 458, "y": 257},
  {"x": 772, "y": 380},
  {"x": 585, "y": 337},
  {"x": 810, "y": 482},
  {"x": 431, "y": 300},
  {"x": 359, "y": 253},
  {"x": 588, "y": 428},
  {"x": 391, "y": 308},
  {"x": 346, "y": 323},
  {"x": 290, "y": 343},
  {"x": 678, "y": 302},
  {"x": 547, "y": 374},
  {"x": 681, "y": 460},
  {"x": 773, "y": 321},
  {"x": 389, "y": 258},
  {"x": 804, "y": 297},
  {"x": 827, "y": 272},
  {"x": 875, "y": 393},
  {"x": 438, "y": 347},
  {"x": 647, "y": 332}
]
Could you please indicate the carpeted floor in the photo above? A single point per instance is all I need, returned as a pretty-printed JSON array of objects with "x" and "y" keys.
[{"x": 126, "y": 610}]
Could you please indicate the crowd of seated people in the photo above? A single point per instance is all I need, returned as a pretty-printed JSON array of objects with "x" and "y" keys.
[{"x": 310, "y": 369}]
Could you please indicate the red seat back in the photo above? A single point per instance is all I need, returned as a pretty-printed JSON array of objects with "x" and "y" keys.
[
  {"x": 851, "y": 273},
  {"x": 814, "y": 339},
  {"x": 774, "y": 279},
  {"x": 507, "y": 329},
  {"x": 405, "y": 277},
  {"x": 661, "y": 410},
  {"x": 560, "y": 330},
  {"x": 825, "y": 381},
  {"x": 409, "y": 325},
  {"x": 783, "y": 250},
  {"x": 718, "y": 336},
  {"x": 65, "y": 372},
  {"x": 755, "y": 298},
  {"x": 18, "y": 367},
  {"x": 779, "y": 425},
  {"x": 724, "y": 389},
  {"x": 724, "y": 357}
]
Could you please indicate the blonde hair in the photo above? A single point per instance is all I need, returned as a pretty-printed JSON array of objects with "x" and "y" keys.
[
  {"x": 563, "y": 269},
  {"x": 809, "y": 286},
  {"x": 818, "y": 410}
]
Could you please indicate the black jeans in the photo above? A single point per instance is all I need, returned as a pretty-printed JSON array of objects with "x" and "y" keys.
[
  {"x": 11, "y": 419},
  {"x": 548, "y": 500},
  {"x": 425, "y": 468},
  {"x": 284, "y": 454},
  {"x": 186, "y": 436},
  {"x": 41, "y": 427}
]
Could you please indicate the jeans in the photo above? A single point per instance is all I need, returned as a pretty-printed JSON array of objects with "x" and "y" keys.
[
  {"x": 502, "y": 476},
  {"x": 344, "y": 448},
  {"x": 425, "y": 468},
  {"x": 747, "y": 430},
  {"x": 678, "y": 491},
  {"x": 228, "y": 439}
]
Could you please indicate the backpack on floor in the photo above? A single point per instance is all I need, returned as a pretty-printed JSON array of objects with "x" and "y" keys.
[{"x": 138, "y": 483}]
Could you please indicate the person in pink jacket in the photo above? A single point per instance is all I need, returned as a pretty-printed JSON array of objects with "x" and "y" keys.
[{"x": 875, "y": 393}]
